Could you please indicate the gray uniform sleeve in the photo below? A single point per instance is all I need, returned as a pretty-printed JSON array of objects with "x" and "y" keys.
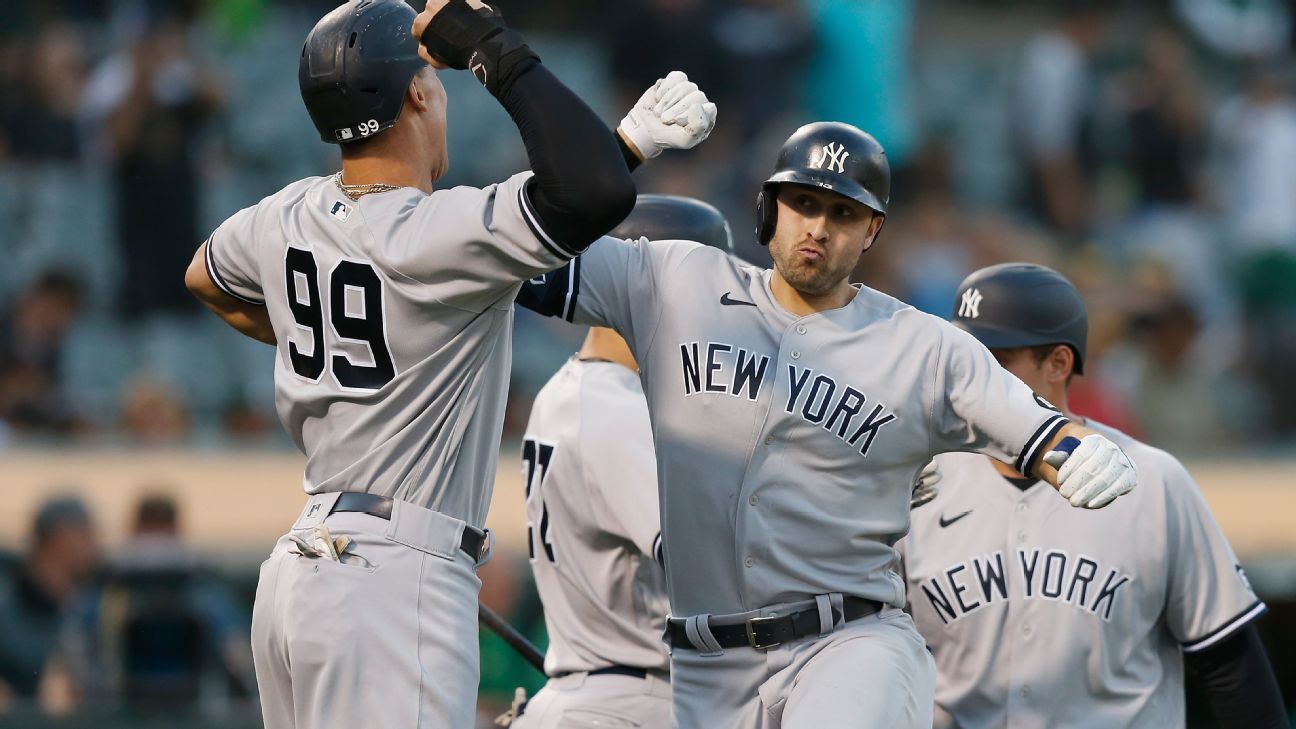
[
  {"x": 1208, "y": 597},
  {"x": 467, "y": 241},
  {"x": 622, "y": 466},
  {"x": 231, "y": 257},
  {"x": 979, "y": 406},
  {"x": 621, "y": 284}
]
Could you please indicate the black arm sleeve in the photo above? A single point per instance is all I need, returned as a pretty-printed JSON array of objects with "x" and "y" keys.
[
  {"x": 631, "y": 159},
  {"x": 582, "y": 187},
  {"x": 1240, "y": 682}
]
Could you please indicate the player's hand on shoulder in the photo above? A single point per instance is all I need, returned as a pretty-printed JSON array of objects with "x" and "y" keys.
[
  {"x": 1094, "y": 473},
  {"x": 924, "y": 486},
  {"x": 672, "y": 114}
]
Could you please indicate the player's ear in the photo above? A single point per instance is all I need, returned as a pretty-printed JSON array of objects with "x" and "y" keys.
[
  {"x": 1060, "y": 363},
  {"x": 875, "y": 227},
  {"x": 418, "y": 93}
]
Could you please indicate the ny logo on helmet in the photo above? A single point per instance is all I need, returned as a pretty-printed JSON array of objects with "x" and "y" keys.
[
  {"x": 832, "y": 156},
  {"x": 969, "y": 307}
]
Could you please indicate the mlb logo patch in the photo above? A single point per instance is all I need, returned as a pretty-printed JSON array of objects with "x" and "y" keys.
[
  {"x": 345, "y": 134},
  {"x": 341, "y": 211}
]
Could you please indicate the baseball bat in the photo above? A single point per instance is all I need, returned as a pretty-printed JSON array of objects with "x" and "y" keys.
[{"x": 501, "y": 627}]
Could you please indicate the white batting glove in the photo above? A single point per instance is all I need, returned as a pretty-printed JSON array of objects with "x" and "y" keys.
[
  {"x": 1094, "y": 474},
  {"x": 924, "y": 487},
  {"x": 673, "y": 114}
]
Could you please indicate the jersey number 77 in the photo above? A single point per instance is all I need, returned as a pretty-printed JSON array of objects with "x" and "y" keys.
[{"x": 536, "y": 457}]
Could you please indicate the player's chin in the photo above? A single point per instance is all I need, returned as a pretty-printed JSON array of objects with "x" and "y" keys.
[{"x": 811, "y": 278}]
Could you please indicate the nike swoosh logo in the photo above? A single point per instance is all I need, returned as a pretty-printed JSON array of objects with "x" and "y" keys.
[
  {"x": 946, "y": 522},
  {"x": 733, "y": 302}
]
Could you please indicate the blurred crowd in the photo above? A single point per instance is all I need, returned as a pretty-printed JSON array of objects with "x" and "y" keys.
[
  {"x": 147, "y": 629},
  {"x": 151, "y": 630},
  {"x": 1146, "y": 149}
]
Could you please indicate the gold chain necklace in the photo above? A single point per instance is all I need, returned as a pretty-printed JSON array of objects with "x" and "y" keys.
[{"x": 355, "y": 192}]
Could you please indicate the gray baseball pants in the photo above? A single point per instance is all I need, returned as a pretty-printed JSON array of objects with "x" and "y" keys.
[
  {"x": 870, "y": 673},
  {"x": 582, "y": 701},
  {"x": 384, "y": 635}
]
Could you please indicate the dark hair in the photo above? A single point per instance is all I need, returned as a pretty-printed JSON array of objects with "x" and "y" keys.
[
  {"x": 157, "y": 512},
  {"x": 57, "y": 513},
  {"x": 59, "y": 283},
  {"x": 1041, "y": 352}
]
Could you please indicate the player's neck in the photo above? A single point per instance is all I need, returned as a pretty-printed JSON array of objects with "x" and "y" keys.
[
  {"x": 604, "y": 344},
  {"x": 377, "y": 171},
  {"x": 389, "y": 159},
  {"x": 800, "y": 303}
]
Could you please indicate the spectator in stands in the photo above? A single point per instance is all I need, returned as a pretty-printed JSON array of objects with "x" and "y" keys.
[
  {"x": 1165, "y": 122},
  {"x": 1256, "y": 143},
  {"x": 37, "y": 599},
  {"x": 154, "y": 412},
  {"x": 859, "y": 72},
  {"x": 149, "y": 107},
  {"x": 38, "y": 119},
  {"x": 165, "y": 621},
  {"x": 1176, "y": 404},
  {"x": 763, "y": 44},
  {"x": 652, "y": 37},
  {"x": 31, "y": 349},
  {"x": 1053, "y": 116},
  {"x": 1255, "y": 138}
]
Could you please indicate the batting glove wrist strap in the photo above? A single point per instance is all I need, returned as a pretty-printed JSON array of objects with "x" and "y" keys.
[{"x": 477, "y": 40}]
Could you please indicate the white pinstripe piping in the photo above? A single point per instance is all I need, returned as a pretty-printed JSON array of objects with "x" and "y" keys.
[
  {"x": 1227, "y": 629},
  {"x": 571, "y": 288},
  {"x": 215, "y": 276},
  {"x": 535, "y": 224},
  {"x": 1046, "y": 431}
]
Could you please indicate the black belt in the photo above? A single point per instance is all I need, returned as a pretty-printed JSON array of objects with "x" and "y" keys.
[
  {"x": 473, "y": 542},
  {"x": 620, "y": 671},
  {"x": 763, "y": 633}
]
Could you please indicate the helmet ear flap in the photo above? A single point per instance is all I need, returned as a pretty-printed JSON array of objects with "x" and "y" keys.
[{"x": 766, "y": 214}]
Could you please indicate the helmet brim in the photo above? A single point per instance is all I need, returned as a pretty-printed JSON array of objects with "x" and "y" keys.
[
  {"x": 843, "y": 186},
  {"x": 996, "y": 338}
]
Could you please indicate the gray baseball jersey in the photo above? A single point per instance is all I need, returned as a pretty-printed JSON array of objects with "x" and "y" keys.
[
  {"x": 787, "y": 446},
  {"x": 393, "y": 316},
  {"x": 591, "y": 483},
  {"x": 1043, "y": 615}
]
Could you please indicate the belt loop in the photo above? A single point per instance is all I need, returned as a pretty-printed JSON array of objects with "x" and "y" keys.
[
  {"x": 832, "y": 612},
  {"x": 698, "y": 630},
  {"x": 488, "y": 549},
  {"x": 317, "y": 509}
]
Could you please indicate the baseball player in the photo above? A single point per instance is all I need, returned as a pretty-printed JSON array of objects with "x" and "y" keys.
[
  {"x": 791, "y": 411},
  {"x": 591, "y": 484},
  {"x": 390, "y": 305},
  {"x": 1041, "y": 616}
]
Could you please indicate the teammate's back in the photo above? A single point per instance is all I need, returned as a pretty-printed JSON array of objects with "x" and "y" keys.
[
  {"x": 592, "y": 503},
  {"x": 389, "y": 305},
  {"x": 392, "y": 315}
]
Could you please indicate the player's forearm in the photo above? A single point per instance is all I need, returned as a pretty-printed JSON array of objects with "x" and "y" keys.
[
  {"x": 1240, "y": 682},
  {"x": 581, "y": 187},
  {"x": 248, "y": 319},
  {"x": 1043, "y": 471}
]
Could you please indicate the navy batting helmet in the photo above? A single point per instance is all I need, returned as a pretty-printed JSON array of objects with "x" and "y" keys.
[
  {"x": 674, "y": 217},
  {"x": 831, "y": 155},
  {"x": 1022, "y": 305},
  {"x": 355, "y": 67}
]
